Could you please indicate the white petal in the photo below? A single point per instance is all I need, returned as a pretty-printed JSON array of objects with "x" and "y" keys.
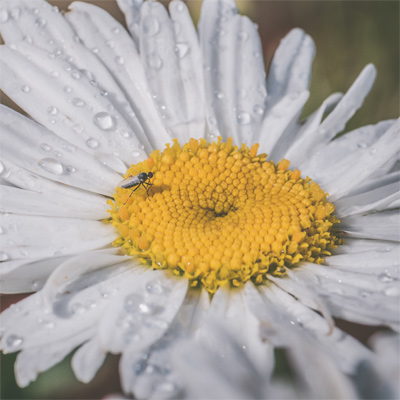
[
  {"x": 27, "y": 275},
  {"x": 171, "y": 66},
  {"x": 115, "y": 48},
  {"x": 81, "y": 116},
  {"x": 290, "y": 70},
  {"x": 32, "y": 236},
  {"x": 131, "y": 9},
  {"x": 87, "y": 360},
  {"x": 234, "y": 71},
  {"x": 279, "y": 119},
  {"x": 383, "y": 225},
  {"x": 18, "y": 201},
  {"x": 348, "y": 105},
  {"x": 142, "y": 312},
  {"x": 33, "y": 147},
  {"x": 380, "y": 199},
  {"x": 304, "y": 139},
  {"x": 32, "y": 361}
]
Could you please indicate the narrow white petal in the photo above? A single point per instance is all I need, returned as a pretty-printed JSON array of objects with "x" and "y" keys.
[
  {"x": 348, "y": 105},
  {"x": 142, "y": 312},
  {"x": 131, "y": 9},
  {"x": 87, "y": 360},
  {"x": 234, "y": 73},
  {"x": 35, "y": 236},
  {"x": 30, "y": 362},
  {"x": 171, "y": 67},
  {"x": 290, "y": 70},
  {"x": 116, "y": 50},
  {"x": 33, "y": 147},
  {"x": 382, "y": 225},
  {"x": 70, "y": 107},
  {"x": 19, "y": 177},
  {"x": 19, "y": 201}
]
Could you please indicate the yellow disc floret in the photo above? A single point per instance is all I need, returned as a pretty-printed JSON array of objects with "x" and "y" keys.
[{"x": 217, "y": 213}]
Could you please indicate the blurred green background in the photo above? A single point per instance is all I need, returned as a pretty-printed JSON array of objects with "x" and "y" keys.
[{"x": 348, "y": 35}]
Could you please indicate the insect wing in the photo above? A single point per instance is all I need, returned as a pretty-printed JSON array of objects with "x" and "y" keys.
[{"x": 129, "y": 182}]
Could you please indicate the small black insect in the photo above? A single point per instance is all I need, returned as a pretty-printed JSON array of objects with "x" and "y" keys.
[{"x": 137, "y": 180}]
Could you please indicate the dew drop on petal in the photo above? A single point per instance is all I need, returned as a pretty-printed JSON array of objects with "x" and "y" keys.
[
  {"x": 25, "y": 88},
  {"x": 119, "y": 60},
  {"x": 4, "y": 15},
  {"x": 182, "y": 49},
  {"x": 52, "y": 110},
  {"x": 77, "y": 102},
  {"x": 243, "y": 118},
  {"x": 55, "y": 74},
  {"x": 258, "y": 109},
  {"x": 4, "y": 256},
  {"x": 243, "y": 36},
  {"x": 365, "y": 293},
  {"x": 45, "y": 147},
  {"x": 362, "y": 145},
  {"x": 110, "y": 44},
  {"x": 36, "y": 285},
  {"x": 179, "y": 6},
  {"x": 104, "y": 121},
  {"x": 150, "y": 25},
  {"x": 95, "y": 50},
  {"x": 154, "y": 61},
  {"x": 155, "y": 287},
  {"x": 392, "y": 291},
  {"x": 1, "y": 230},
  {"x": 92, "y": 143},
  {"x": 385, "y": 277},
  {"x": 67, "y": 89},
  {"x": 76, "y": 75},
  {"x": 125, "y": 134},
  {"x": 383, "y": 249},
  {"x": 70, "y": 169},
  {"x": 14, "y": 341},
  {"x": 115, "y": 30},
  {"x": 135, "y": 153},
  {"x": 51, "y": 165},
  {"x": 218, "y": 94},
  {"x": 373, "y": 151}
]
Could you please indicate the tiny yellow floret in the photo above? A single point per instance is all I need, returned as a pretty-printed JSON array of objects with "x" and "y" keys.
[{"x": 218, "y": 213}]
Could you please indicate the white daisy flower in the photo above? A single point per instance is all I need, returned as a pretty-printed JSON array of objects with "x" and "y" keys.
[{"x": 140, "y": 205}]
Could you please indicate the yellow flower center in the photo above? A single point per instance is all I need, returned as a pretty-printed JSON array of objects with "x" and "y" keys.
[{"x": 217, "y": 213}]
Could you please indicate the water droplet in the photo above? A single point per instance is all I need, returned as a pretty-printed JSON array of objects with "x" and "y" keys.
[
  {"x": 4, "y": 15},
  {"x": 243, "y": 36},
  {"x": 4, "y": 256},
  {"x": 104, "y": 121},
  {"x": 119, "y": 60},
  {"x": 67, "y": 89},
  {"x": 383, "y": 249},
  {"x": 182, "y": 49},
  {"x": 125, "y": 134},
  {"x": 14, "y": 341},
  {"x": 77, "y": 308},
  {"x": 243, "y": 118},
  {"x": 95, "y": 50},
  {"x": 103, "y": 93},
  {"x": 258, "y": 110},
  {"x": 262, "y": 91},
  {"x": 55, "y": 74},
  {"x": 218, "y": 94},
  {"x": 385, "y": 277},
  {"x": 92, "y": 143},
  {"x": 110, "y": 44},
  {"x": 76, "y": 75},
  {"x": 365, "y": 293},
  {"x": 78, "y": 128},
  {"x": 52, "y": 110},
  {"x": 1, "y": 230},
  {"x": 78, "y": 102},
  {"x": 51, "y": 165},
  {"x": 25, "y": 88},
  {"x": 154, "y": 61},
  {"x": 45, "y": 147},
  {"x": 55, "y": 9},
  {"x": 36, "y": 285},
  {"x": 373, "y": 151},
  {"x": 115, "y": 30},
  {"x": 15, "y": 13},
  {"x": 155, "y": 287},
  {"x": 40, "y": 22},
  {"x": 70, "y": 169},
  {"x": 362, "y": 145},
  {"x": 135, "y": 153},
  {"x": 165, "y": 388},
  {"x": 392, "y": 291},
  {"x": 150, "y": 25}
]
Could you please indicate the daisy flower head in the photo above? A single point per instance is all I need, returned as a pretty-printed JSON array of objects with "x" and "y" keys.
[{"x": 165, "y": 203}]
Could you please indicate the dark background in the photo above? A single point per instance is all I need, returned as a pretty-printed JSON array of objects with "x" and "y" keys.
[{"x": 348, "y": 35}]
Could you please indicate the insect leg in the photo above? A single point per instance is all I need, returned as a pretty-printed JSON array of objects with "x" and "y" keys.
[{"x": 137, "y": 187}]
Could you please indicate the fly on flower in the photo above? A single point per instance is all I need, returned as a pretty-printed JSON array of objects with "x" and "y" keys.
[{"x": 142, "y": 179}]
